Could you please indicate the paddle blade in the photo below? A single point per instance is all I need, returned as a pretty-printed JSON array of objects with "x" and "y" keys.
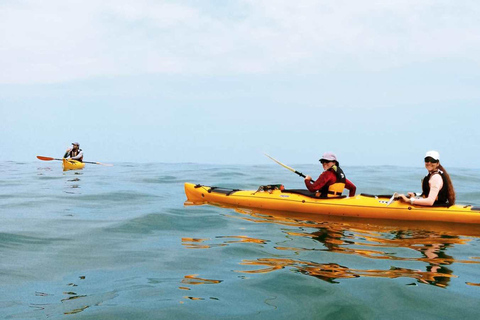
[
  {"x": 102, "y": 164},
  {"x": 45, "y": 158},
  {"x": 395, "y": 195},
  {"x": 283, "y": 165},
  {"x": 286, "y": 167},
  {"x": 105, "y": 164}
]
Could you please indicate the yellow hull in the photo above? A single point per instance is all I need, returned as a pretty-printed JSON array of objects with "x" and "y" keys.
[
  {"x": 72, "y": 165},
  {"x": 360, "y": 206}
]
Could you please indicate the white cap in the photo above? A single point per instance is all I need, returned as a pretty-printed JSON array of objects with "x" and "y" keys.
[{"x": 434, "y": 154}]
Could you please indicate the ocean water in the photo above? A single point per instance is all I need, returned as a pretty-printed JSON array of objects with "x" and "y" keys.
[{"x": 119, "y": 243}]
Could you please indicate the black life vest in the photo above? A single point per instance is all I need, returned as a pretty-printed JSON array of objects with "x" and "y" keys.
[
  {"x": 442, "y": 197},
  {"x": 335, "y": 189},
  {"x": 72, "y": 153}
]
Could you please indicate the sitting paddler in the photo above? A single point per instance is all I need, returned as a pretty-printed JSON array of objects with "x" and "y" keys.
[
  {"x": 332, "y": 181},
  {"x": 437, "y": 187},
  {"x": 74, "y": 153}
]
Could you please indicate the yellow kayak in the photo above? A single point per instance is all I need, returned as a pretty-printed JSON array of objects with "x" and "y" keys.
[
  {"x": 72, "y": 165},
  {"x": 302, "y": 201}
]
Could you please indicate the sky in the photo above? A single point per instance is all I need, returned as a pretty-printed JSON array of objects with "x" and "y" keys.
[{"x": 376, "y": 82}]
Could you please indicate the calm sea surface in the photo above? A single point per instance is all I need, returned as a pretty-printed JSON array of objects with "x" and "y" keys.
[{"x": 119, "y": 243}]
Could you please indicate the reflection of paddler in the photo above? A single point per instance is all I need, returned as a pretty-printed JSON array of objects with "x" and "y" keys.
[
  {"x": 431, "y": 245},
  {"x": 332, "y": 239},
  {"x": 433, "y": 248},
  {"x": 328, "y": 272},
  {"x": 437, "y": 259}
]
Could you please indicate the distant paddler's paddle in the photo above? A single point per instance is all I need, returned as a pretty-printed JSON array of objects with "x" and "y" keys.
[
  {"x": 50, "y": 159},
  {"x": 287, "y": 167}
]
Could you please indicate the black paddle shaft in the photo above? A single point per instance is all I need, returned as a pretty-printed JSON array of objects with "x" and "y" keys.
[{"x": 300, "y": 174}]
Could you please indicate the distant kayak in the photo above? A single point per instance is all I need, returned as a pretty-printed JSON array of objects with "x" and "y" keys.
[
  {"x": 72, "y": 165},
  {"x": 303, "y": 201}
]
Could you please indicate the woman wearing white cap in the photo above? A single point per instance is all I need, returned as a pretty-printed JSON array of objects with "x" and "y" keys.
[
  {"x": 74, "y": 153},
  {"x": 437, "y": 187},
  {"x": 332, "y": 181}
]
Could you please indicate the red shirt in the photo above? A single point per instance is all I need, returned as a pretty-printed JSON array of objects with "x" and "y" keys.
[{"x": 328, "y": 177}]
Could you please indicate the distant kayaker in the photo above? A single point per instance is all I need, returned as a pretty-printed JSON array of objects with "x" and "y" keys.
[
  {"x": 74, "y": 153},
  {"x": 332, "y": 181},
  {"x": 437, "y": 187}
]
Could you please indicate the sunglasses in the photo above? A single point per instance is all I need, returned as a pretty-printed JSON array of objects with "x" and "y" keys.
[
  {"x": 325, "y": 161},
  {"x": 431, "y": 160}
]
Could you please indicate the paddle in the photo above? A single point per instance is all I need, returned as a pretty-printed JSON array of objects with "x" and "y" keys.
[
  {"x": 395, "y": 195},
  {"x": 50, "y": 159},
  {"x": 287, "y": 167}
]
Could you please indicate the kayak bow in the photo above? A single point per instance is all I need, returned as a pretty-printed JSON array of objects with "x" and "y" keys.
[{"x": 72, "y": 165}]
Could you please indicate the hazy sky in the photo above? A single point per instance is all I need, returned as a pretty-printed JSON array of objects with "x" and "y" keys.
[{"x": 377, "y": 82}]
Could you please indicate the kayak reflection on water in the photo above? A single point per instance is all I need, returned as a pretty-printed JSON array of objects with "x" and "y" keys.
[{"x": 367, "y": 240}]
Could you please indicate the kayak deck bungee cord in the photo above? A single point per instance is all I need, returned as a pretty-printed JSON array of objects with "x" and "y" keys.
[{"x": 303, "y": 201}]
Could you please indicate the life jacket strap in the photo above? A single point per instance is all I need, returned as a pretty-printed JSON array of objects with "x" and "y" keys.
[
  {"x": 335, "y": 193},
  {"x": 335, "y": 189}
]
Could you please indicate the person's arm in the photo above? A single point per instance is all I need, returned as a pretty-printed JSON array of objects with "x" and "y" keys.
[
  {"x": 322, "y": 180},
  {"x": 78, "y": 156},
  {"x": 436, "y": 184},
  {"x": 67, "y": 152},
  {"x": 351, "y": 188}
]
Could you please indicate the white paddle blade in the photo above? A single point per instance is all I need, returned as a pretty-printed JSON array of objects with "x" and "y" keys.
[{"x": 395, "y": 195}]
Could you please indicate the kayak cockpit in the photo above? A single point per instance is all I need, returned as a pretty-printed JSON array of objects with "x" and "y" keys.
[
  {"x": 309, "y": 194},
  {"x": 268, "y": 188}
]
